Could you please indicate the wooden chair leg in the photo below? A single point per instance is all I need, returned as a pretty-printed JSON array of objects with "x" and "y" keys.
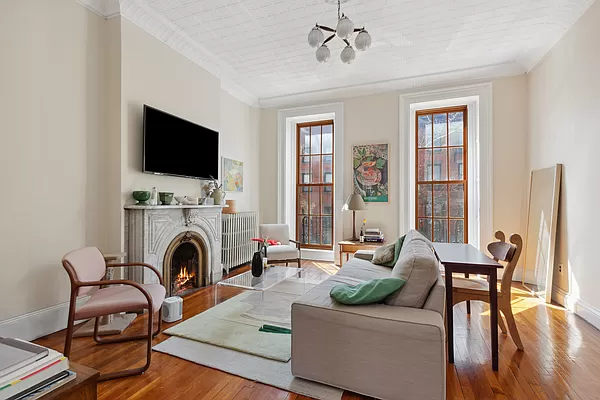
[
  {"x": 512, "y": 326},
  {"x": 286, "y": 264},
  {"x": 468, "y": 301},
  {"x": 70, "y": 324},
  {"x": 501, "y": 323},
  {"x": 134, "y": 371}
]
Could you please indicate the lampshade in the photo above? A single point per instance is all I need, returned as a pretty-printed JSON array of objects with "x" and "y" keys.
[
  {"x": 345, "y": 27},
  {"x": 354, "y": 203},
  {"x": 362, "y": 41},
  {"x": 315, "y": 37},
  {"x": 323, "y": 53},
  {"x": 348, "y": 55}
]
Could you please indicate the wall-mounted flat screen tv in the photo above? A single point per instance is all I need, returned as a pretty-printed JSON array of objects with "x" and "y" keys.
[{"x": 174, "y": 146}]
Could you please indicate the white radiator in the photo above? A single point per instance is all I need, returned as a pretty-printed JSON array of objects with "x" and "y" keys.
[{"x": 237, "y": 247}]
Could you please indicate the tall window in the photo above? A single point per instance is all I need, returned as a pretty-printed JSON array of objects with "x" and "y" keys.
[
  {"x": 441, "y": 174},
  {"x": 314, "y": 184}
]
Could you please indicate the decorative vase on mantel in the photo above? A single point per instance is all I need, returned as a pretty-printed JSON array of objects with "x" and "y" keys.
[{"x": 218, "y": 195}]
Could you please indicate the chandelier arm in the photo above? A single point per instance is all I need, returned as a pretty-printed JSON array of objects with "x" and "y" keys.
[
  {"x": 346, "y": 41},
  {"x": 325, "y": 28},
  {"x": 359, "y": 29},
  {"x": 329, "y": 38},
  {"x": 339, "y": 6}
]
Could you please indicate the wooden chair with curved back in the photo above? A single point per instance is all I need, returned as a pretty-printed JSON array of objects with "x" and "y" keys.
[
  {"x": 465, "y": 289},
  {"x": 86, "y": 268}
]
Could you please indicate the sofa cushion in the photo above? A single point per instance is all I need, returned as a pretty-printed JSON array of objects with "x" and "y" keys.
[
  {"x": 282, "y": 252},
  {"x": 363, "y": 270},
  {"x": 388, "y": 254},
  {"x": 370, "y": 292},
  {"x": 418, "y": 267}
]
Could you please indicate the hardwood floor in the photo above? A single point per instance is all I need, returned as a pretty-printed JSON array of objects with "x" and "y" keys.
[{"x": 560, "y": 361}]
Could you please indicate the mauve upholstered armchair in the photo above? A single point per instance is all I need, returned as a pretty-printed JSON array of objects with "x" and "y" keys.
[{"x": 86, "y": 269}]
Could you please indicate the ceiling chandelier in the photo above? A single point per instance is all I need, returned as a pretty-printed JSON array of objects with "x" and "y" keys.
[{"x": 344, "y": 30}]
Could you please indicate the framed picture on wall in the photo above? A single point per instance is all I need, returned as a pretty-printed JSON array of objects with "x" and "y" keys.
[
  {"x": 370, "y": 169},
  {"x": 233, "y": 175}
]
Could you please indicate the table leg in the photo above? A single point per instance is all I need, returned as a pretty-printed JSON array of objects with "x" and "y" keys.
[
  {"x": 449, "y": 314},
  {"x": 468, "y": 301},
  {"x": 494, "y": 317},
  {"x": 341, "y": 255}
]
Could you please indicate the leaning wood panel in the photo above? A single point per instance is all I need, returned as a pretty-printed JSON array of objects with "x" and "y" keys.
[{"x": 540, "y": 242}]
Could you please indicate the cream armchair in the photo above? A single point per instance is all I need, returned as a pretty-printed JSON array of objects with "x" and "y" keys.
[{"x": 288, "y": 251}]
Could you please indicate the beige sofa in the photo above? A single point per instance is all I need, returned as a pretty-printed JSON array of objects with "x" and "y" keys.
[{"x": 394, "y": 350}]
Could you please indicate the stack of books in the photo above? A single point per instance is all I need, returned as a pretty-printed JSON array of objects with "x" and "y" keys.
[
  {"x": 373, "y": 235},
  {"x": 29, "y": 371}
]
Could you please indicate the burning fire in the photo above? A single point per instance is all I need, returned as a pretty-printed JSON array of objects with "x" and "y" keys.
[{"x": 184, "y": 277}]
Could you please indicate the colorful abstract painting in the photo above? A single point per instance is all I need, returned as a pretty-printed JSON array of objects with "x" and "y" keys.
[
  {"x": 233, "y": 175},
  {"x": 370, "y": 164}
]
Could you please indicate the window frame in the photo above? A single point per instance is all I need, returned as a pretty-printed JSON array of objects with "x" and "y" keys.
[
  {"x": 302, "y": 187},
  {"x": 461, "y": 166}
]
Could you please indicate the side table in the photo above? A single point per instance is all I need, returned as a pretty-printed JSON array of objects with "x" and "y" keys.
[
  {"x": 351, "y": 246},
  {"x": 83, "y": 387}
]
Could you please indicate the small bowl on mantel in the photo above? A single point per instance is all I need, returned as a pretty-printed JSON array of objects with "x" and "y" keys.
[
  {"x": 142, "y": 197},
  {"x": 166, "y": 198},
  {"x": 181, "y": 199}
]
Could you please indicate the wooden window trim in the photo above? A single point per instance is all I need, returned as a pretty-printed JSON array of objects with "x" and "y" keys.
[
  {"x": 447, "y": 182},
  {"x": 301, "y": 186}
]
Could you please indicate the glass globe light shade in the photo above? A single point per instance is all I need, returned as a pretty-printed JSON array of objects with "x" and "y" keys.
[
  {"x": 315, "y": 37},
  {"x": 348, "y": 55},
  {"x": 362, "y": 41},
  {"x": 345, "y": 28},
  {"x": 323, "y": 54}
]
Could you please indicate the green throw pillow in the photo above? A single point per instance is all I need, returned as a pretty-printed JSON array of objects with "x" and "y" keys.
[
  {"x": 370, "y": 292},
  {"x": 397, "y": 249}
]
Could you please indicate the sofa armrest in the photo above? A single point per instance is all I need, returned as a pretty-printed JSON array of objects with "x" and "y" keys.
[
  {"x": 365, "y": 254},
  {"x": 402, "y": 348}
]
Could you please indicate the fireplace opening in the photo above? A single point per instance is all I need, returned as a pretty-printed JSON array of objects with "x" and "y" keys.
[{"x": 184, "y": 265}]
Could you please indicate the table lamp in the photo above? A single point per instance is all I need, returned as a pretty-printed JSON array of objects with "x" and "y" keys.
[{"x": 354, "y": 203}]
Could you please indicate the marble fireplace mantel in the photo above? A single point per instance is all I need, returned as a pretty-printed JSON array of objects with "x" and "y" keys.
[{"x": 150, "y": 229}]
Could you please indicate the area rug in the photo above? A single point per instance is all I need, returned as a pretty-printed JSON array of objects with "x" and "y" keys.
[
  {"x": 235, "y": 323},
  {"x": 269, "y": 372}
]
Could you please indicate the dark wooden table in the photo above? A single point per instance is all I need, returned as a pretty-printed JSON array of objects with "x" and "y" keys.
[
  {"x": 464, "y": 258},
  {"x": 83, "y": 387}
]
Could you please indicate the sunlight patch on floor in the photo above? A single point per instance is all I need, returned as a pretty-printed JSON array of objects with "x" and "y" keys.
[
  {"x": 328, "y": 268},
  {"x": 521, "y": 304}
]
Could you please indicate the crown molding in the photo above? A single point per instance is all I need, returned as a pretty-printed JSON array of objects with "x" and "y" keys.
[
  {"x": 105, "y": 8},
  {"x": 408, "y": 84},
  {"x": 139, "y": 13},
  {"x": 150, "y": 21}
]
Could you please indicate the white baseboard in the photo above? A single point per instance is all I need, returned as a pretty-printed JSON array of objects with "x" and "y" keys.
[
  {"x": 38, "y": 323},
  {"x": 317, "y": 255},
  {"x": 577, "y": 306}
]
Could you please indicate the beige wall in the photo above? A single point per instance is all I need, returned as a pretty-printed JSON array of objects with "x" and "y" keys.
[
  {"x": 240, "y": 128},
  {"x": 154, "y": 74},
  {"x": 52, "y": 147},
  {"x": 511, "y": 174},
  {"x": 564, "y": 104},
  {"x": 375, "y": 119},
  {"x": 268, "y": 165},
  {"x": 71, "y": 129}
]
